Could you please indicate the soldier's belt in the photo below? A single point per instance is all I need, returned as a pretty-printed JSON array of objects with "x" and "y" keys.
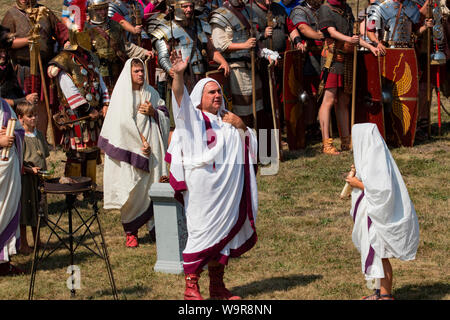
[
  {"x": 400, "y": 44},
  {"x": 242, "y": 59}
]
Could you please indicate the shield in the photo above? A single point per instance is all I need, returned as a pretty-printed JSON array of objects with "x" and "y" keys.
[
  {"x": 293, "y": 108},
  {"x": 219, "y": 76},
  {"x": 369, "y": 106},
  {"x": 399, "y": 72}
]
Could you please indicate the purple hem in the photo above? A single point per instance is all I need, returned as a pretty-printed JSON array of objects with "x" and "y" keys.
[
  {"x": 119, "y": 154},
  {"x": 371, "y": 255},
  {"x": 133, "y": 226},
  {"x": 10, "y": 231},
  {"x": 357, "y": 205},
  {"x": 245, "y": 210}
]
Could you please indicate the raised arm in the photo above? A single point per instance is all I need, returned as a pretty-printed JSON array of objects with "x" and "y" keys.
[{"x": 178, "y": 68}]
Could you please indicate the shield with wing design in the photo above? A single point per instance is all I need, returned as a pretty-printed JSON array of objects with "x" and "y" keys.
[{"x": 399, "y": 72}]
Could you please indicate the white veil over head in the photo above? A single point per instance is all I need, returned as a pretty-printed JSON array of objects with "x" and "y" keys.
[
  {"x": 123, "y": 124},
  {"x": 197, "y": 93},
  {"x": 396, "y": 228}
]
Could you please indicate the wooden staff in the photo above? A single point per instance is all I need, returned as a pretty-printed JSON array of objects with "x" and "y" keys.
[
  {"x": 346, "y": 191},
  {"x": 35, "y": 15},
  {"x": 355, "y": 60},
  {"x": 138, "y": 20},
  {"x": 252, "y": 57},
  {"x": 272, "y": 103},
  {"x": 429, "y": 14},
  {"x": 270, "y": 23},
  {"x": 9, "y": 133}
]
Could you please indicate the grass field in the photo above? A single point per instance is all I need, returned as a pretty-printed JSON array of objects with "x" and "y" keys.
[{"x": 304, "y": 248}]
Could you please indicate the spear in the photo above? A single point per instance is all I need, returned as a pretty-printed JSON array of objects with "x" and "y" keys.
[
  {"x": 429, "y": 14},
  {"x": 252, "y": 57},
  {"x": 35, "y": 15},
  {"x": 355, "y": 59}
]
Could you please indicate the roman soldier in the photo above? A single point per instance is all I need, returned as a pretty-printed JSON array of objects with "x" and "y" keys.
[
  {"x": 109, "y": 43},
  {"x": 50, "y": 32},
  {"x": 10, "y": 89},
  {"x": 182, "y": 31},
  {"x": 83, "y": 96},
  {"x": 336, "y": 21},
  {"x": 235, "y": 35},
  {"x": 305, "y": 19},
  {"x": 191, "y": 36},
  {"x": 398, "y": 24},
  {"x": 129, "y": 14}
]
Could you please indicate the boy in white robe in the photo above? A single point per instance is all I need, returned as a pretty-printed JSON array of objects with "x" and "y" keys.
[
  {"x": 134, "y": 137},
  {"x": 211, "y": 157},
  {"x": 386, "y": 224}
]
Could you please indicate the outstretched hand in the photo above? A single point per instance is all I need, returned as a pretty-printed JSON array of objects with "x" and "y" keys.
[{"x": 178, "y": 64}]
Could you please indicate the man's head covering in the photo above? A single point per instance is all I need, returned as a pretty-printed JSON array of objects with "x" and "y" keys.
[
  {"x": 197, "y": 93},
  {"x": 123, "y": 125},
  {"x": 388, "y": 204}
]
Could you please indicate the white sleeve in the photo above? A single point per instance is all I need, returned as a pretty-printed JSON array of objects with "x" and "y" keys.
[{"x": 70, "y": 91}]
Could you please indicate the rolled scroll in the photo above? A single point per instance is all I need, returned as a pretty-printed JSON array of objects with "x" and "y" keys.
[
  {"x": 9, "y": 133},
  {"x": 347, "y": 190}
]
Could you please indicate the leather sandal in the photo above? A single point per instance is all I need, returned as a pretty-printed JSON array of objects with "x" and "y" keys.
[
  {"x": 328, "y": 147},
  {"x": 374, "y": 296}
]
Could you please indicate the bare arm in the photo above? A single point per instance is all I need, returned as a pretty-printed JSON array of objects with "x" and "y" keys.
[
  {"x": 339, "y": 36},
  {"x": 178, "y": 67},
  {"x": 309, "y": 32}
]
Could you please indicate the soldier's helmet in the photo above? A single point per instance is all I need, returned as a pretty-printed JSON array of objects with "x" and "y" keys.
[
  {"x": 94, "y": 7},
  {"x": 178, "y": 11}
]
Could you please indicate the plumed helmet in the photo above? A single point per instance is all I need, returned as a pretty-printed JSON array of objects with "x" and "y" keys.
[
  {"x": 93, "y": 6},
  {"x": 78, "y": 37}
]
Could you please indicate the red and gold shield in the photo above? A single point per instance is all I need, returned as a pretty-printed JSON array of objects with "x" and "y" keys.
[
  {"x": 368, "y": 106},
  {"x": 399, "y": 72},
  {"x": 293, "y": 108}
]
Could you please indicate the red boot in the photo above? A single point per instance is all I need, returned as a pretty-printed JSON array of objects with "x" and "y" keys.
[
  {"x": 192, "y": 291},
  {"x": 217, "y": 290},
  {"x": 132, "y": 240}
]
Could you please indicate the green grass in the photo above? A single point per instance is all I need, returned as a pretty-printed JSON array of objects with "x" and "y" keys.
[{"x": 304, "y": 248}]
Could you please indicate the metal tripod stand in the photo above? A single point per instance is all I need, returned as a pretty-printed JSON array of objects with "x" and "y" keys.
[{"x": 67, "y": 238}]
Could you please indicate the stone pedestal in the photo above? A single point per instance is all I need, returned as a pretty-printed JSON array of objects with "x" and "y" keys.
[{"x": 170, "y": 227}]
